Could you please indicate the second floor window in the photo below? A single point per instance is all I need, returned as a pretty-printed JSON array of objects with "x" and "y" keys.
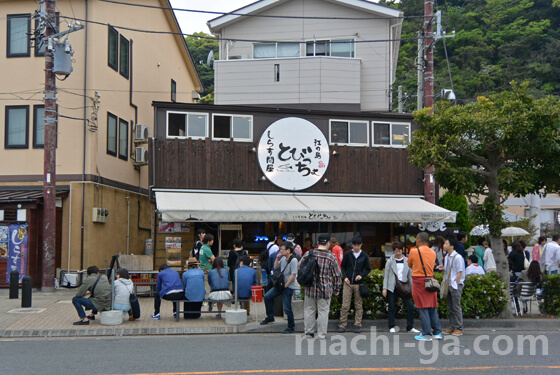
[
  {"x": 391, "y": 134},
  {"x": 335, "y": 47},
  {"x": 17, "y": 127},
  {"x": 353, "y": 133},
  {"x": 123, "y": 139},
  {"x": 274, "y": 50},
  {"x": 112, "y": 134},
  {"x": 18, "y": 35},
  {"x": 187, "y": 125},
  {"x": 225, "y": 127}
]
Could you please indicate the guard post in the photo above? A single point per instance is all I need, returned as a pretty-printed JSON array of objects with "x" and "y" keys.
[
  {"x": 26, "y": 282},
  {"x": 14, "y": 284}
]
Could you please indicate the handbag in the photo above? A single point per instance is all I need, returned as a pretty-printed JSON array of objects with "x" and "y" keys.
[
  {"x": 364, "y": 291},
  {"x": 431, "y": 284},
  {"x": 134, "y": 304},
  {"x": 402, "y": 289},
  {"x": 444, "y": 289}
]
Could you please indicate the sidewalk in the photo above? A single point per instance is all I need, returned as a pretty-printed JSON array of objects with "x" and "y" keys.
[{"x": 52, "y": 315}]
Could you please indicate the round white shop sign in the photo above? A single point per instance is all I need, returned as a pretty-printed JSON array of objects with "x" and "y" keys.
[{"x": 293, "y": 153}]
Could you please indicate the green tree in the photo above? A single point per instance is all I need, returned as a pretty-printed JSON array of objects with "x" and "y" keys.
[
  {"x": 458, "y": 203},
  {"x": 505, "y": 145},
  {"x": 200, "y": 44}
]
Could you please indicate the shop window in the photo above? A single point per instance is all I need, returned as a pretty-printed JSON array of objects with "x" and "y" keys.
[
  {"x": 124, "y": 62},
  {"x": 17, "y": 127},
  {"x": 187, "y": 125},
  {"x": 123, "y": 139},
  {"x": 352, "y": 133},
  {"x": 113, "y": 50},
  {"x": 111, "y": 134},
  {"x": 240, "y": 128},
  {"x": 19, "y": 26},
  {"x": 391, "y": 134},
  {"x": 173, "y": 91},
  {"x": 40, "y": 46}
]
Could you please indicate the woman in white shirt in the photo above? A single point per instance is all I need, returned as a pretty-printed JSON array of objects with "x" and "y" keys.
[
  {"x": 489, "y": 261},
  {"x": 397, "y": 268}
]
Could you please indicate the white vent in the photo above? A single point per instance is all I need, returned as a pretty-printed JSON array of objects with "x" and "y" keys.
[
  {"x": 141, "y": 155},
  {"x": 99, "y": 215},
  {"x": 142, "y": 134}
]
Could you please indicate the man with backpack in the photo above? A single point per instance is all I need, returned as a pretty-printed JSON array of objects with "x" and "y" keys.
[
  {"x": 326, "y": 281},
  {"x": 268, "y": 254},
  {"x": 234, "y": 258},
  {"x": 195, "y": 252}
]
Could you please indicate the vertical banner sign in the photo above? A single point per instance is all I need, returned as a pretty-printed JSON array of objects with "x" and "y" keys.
[{"x": 17, "y": 251}]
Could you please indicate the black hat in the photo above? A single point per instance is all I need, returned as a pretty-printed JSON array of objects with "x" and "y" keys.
[
  {"x": 323, "y": 239},
  {"x": 290, "y": 237}
]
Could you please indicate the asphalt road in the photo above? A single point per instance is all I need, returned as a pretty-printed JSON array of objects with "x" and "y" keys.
[{"x": 474, "y": 353}]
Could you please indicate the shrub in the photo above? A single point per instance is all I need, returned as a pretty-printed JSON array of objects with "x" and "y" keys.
[
  {"x": 484, "y": 296},
  {"x": 551, "y": 286}
]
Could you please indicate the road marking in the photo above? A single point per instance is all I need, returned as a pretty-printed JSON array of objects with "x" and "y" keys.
[{"x": 367, "y": 369}]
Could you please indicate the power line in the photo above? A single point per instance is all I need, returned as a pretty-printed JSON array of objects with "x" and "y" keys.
[
  {"x": 228, "y": 39},
  {"x": 255, "y": 15}
]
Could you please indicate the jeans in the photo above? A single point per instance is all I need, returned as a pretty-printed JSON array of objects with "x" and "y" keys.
[
  {"x": 392, "y": 298},
  {"x": 170, "y": 297},
  {"x": 78, "y": 302},
  {"x": 121, "y": 306},
  {"x": 287, "y": 294},
  {"x": 430, "y": 321}
]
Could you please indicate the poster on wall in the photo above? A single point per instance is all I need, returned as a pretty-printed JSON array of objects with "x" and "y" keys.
[
  {"x": 4, "y": 235},
  {"x": 173, "y": 250},
  {"x": 182, "y": 227},
  {"x": 165, "y": 227},
  {"x": 17, "y": 250}
]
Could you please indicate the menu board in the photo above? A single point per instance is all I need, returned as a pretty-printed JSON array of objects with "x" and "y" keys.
[{"x": 173, "y": 251}]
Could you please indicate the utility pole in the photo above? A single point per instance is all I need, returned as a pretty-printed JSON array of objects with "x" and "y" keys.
[
  {"x": 429, "y": 181},
  {"x": 49, "y": 174},
  {"x": 420, "y": 72}
]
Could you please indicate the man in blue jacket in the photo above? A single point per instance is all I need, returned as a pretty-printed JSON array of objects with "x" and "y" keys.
[
  {"x": 169, "y": 287},
  {"x": 246, "y": 278}
]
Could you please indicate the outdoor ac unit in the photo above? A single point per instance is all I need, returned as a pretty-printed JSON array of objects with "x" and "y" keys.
[
  {"x": 141, "y": 155},
  {"x": 142, "y": 134},
  {"x": 100, "y": 215}
]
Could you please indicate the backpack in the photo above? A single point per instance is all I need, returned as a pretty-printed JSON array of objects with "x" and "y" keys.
[
  {"x": 306, "y": 272},
  {"x": 263, "y": 259},
  {"x": 195, "y": 252},
  {"x": 239, "y": 254}
]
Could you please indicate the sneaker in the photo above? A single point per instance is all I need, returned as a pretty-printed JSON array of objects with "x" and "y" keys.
[
  {"x": 413, "y": 330},
  {"x": 341, "y": 330},
  {"x": 309, "y": 335},
  {"x": 394, "y": 330},
  {"x": 438, "y": 337},
  {"x": 91, "y": 317},
  {"x": 219, "y": 316},
  {"x": 156, "y": 317},
  {"x": 175, "y": 315},
  {"x": 131, "y": 318},
  {"x": 357, "y": 329},
  {"x": 81, "y": 323},
  {"x": 288, "y": 331},
  {"x": 421, "y": 337},
  {"x": 448, "y": 331},
  {"x": 266, "y": 321},
  {"x": 457, "y": 332}
]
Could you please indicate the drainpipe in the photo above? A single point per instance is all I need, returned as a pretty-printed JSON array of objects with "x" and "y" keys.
[
  {"x": 84, "y": 138},
  {"x": 127, "y": 225}
]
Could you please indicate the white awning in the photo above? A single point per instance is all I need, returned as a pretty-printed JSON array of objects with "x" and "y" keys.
[{"x": 253, "y": 207}]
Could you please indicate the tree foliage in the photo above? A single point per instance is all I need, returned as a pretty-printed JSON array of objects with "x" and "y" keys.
[
  {"x": 496, "y": 42},
  {"x": 458, "y": 203},
  {"x": 501, "y": 146},
  {"x": 200, "y": 44}
]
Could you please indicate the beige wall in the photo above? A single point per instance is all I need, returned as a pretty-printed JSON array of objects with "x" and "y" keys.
[
  {"x": 103, "y": 240},
  {"x": 157, "y": 58}
]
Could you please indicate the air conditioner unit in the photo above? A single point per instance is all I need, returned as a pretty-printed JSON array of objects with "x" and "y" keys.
[
  {"x": 99, "y": 215},
  {"x": 142, "y": 134},
  {"x": 141, "y": 156}
]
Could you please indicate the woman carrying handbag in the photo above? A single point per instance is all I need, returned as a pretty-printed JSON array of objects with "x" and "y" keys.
[{"x": 398, "y": 283}]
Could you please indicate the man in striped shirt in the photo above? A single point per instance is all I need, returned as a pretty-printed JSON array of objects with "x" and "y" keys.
[{"x": 318, "y": 297}]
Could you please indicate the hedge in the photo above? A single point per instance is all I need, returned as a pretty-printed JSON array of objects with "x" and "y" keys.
[
  {"x": 484, "y": 296},
  {"x": 551, "y": 294}
]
